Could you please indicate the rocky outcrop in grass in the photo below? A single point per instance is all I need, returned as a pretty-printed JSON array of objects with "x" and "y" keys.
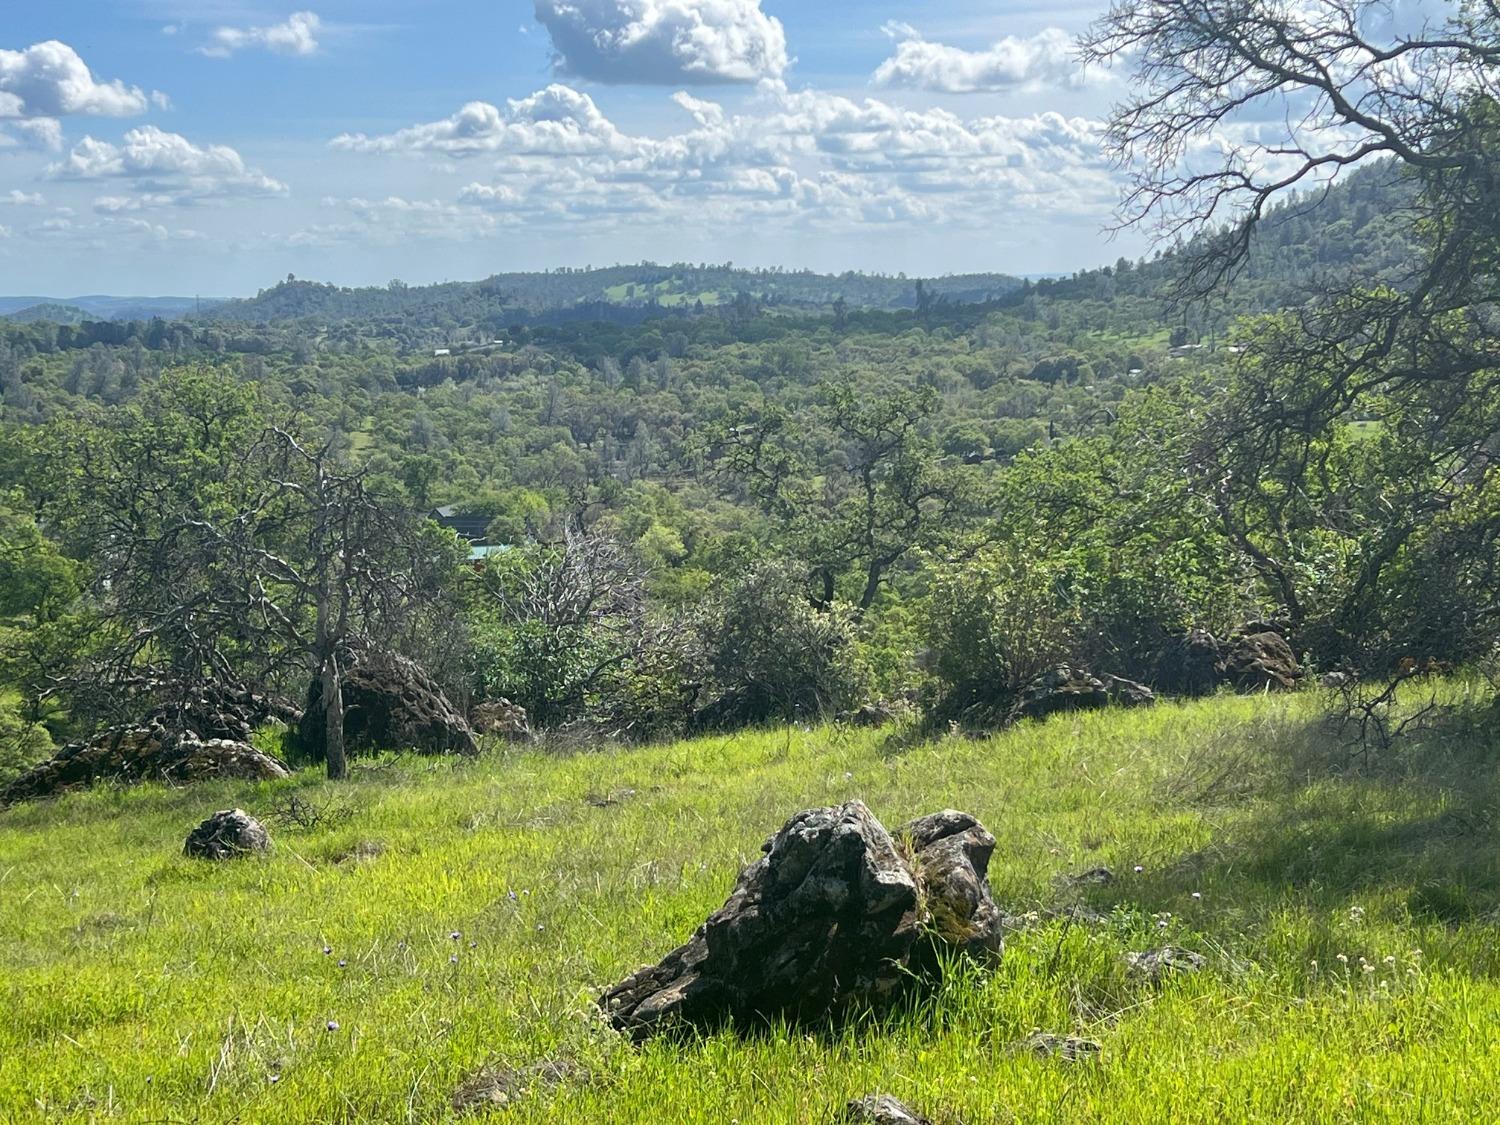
[
  {"x": 390, "y": 703},
  {"x": 228, "y": 834},
  {"x": 130, "y": 755},
  {"x": 837, "y": 914}
]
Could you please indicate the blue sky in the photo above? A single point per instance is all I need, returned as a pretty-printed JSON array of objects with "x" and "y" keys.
[{"x": 213, "y": 146}]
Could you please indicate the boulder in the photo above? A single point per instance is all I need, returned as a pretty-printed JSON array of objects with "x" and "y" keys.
[
  {"x": 1066, "y": 688},
  {"x": 1156, "y": 964},
  {"x": 950, "y": 853},
  {"x": 217, "y": 711},
  {"x": 1128, "y": 693},
  {"x": 503, "y": 718},
  {"x": 829, "y": 917},
  {"x": 1257, "y": 658},
  {"x": 1259, "y": 661},
  {"x": 879, "y": 1109},
  {"x": 129, "y": 755},
  {"x": 1069, "y": 1048},
  {"x": 1063, "y": 688},
  {"x": 872, "y": 715},
  {"x": 390, "y": 703},
  {"x": 1188, "y": 665},
  {"x": 228, "y": 834}
]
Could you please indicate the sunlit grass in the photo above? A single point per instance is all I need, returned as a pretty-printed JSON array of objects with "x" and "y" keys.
[{"x": 138, "y": 985}]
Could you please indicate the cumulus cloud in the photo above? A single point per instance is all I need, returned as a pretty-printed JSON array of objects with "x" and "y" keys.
[
  {"x": 556, "y": 121},
  {"x": 297, "y": 36},
  {"x": 17, "y": 198},
  {"x": 50, "y": 80},
  {"x": 1046, "y": 59},
  {"x": 802, "y": 156},
  {"x": 160, "y": 164},
  {"x": 38, "y": 134},
  {"x": 664, "y": 42}
]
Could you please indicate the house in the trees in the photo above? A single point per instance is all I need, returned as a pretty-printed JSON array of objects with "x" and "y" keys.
[{"x": 473, "y": 529}]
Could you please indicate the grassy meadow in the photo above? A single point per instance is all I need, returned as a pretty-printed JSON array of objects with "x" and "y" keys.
[{"x": 430, "y": 919}]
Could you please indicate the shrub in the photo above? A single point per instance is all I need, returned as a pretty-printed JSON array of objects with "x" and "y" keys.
[
  {"x": 22, "y": 744},
  {"x": 768, "y": 654},
  {"x": 998, "y": 620}
]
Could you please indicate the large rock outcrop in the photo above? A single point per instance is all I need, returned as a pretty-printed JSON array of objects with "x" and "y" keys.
[
  {"x": 228, "y": 834},
  {"x": 129, "y": 755},
  {"x": 1067, "y": 688},
  {"x": 215, "y": 711},
  {"x": 1188, "y": 665},
  {"x": 831, "y": 915},
  {"x": 1259, "y": 661},
  {"x": 1256, "y": 658},
  {"x": 390, "y": 703}
]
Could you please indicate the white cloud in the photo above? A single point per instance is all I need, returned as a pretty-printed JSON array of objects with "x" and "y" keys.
[
  {"x": 39, "y": 134},
  {"x": 162, "y": 164},
  {"x": 297, "y": 36},
  {"x": 17, "y": 198},
  {"x": 49, "y": 80},
  {"x": 798, "y": 156},
  {"x": 664, "y": 42},
  {"x": 556, "y": 121},
  {"x": 124, "y": 204},
  {"x": 1046, "y": 59}
]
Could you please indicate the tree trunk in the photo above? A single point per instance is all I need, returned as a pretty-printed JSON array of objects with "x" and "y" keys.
[{"x": 333, "y": 719}]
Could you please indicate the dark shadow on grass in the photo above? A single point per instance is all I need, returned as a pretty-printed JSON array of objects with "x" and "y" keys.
[{"x": 1316, "y": 822}]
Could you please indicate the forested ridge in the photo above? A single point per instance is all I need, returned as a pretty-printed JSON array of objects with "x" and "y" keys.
[{"x": 915, "y": 508}]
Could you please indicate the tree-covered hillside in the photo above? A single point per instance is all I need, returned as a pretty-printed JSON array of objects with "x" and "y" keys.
[{"x": 616, "y": 292}]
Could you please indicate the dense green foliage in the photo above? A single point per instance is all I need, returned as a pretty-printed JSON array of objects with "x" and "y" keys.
[{"x": 951, "y": 496}]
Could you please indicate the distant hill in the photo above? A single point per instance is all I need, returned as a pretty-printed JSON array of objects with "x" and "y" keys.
[
  {"x": 632, "y": 292},
  {"x": 99, "y": 307},
  {"x": 50, "y": 312},
  {"x": 1359, "y": 230}
]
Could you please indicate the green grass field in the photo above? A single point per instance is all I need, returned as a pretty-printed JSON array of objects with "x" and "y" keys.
[{"x": 138, "y": 985}]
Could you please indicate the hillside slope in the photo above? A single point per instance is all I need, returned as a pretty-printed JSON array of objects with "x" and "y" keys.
[
  {"x": 623, "y": 292},
  {"x": 428, "y": 919}
]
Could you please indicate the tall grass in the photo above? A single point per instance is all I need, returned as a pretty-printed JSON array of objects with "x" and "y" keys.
[{"x": 429, "y": 919}]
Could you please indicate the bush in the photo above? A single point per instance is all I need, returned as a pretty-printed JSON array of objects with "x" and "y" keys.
[
  {"x": 998, "y": 620},
  {"x": 767, "y": 654},
  {"x": 22, "y": 744}
]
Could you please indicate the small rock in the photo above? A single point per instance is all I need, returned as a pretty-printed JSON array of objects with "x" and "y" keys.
[
  {"x": 1155, "y": 964},
  {"x": 879, "y": 1109},
  {"x": 227, "y": 834},
  {"x": 1335, "y": 680},
  {"x": 1093, "y": 877},
  {"x": 365, "y": 851},
  {"x": 503, "y": 718},
  {"x": 499, "y": 1087},
  {"x": 606, "y": 800},
  {"x": 1069, "y": 1048}
]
